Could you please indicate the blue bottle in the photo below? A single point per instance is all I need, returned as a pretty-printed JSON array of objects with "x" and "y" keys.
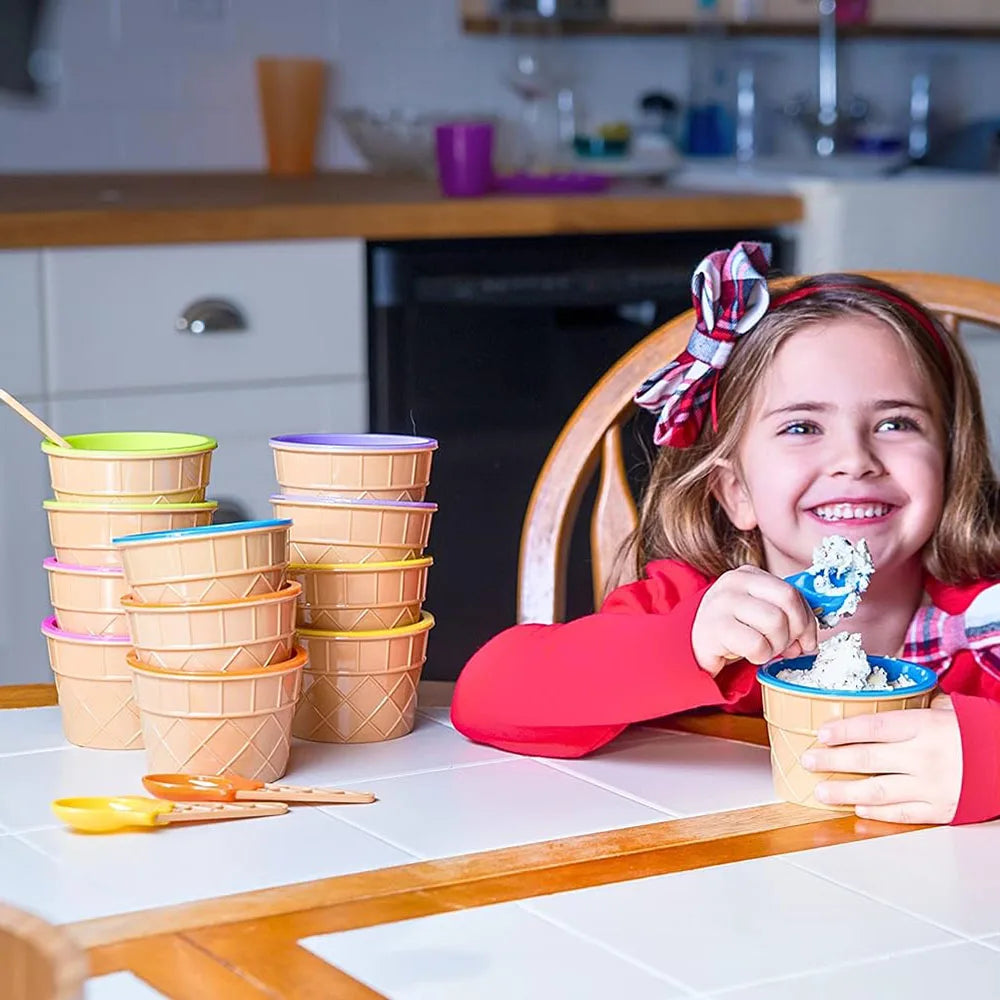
[{"x": 709, "y": 121}]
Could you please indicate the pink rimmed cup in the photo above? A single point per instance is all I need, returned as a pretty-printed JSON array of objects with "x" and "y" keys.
[
  {"x": 87, "y": 599},
  {"x": 332, "y": 530},
  {"x": 94, "y": 684}
]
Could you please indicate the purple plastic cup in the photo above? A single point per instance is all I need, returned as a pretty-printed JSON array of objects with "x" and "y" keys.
[{"x": 464, "y": 158}]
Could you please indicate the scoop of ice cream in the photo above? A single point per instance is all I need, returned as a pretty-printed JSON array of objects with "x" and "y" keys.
[
  {"x": 841, "y": 665},
  {"x": 842, "y": 569}
]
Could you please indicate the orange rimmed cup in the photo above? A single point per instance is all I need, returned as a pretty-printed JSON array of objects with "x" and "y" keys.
[
  {"x": 227, "y": 636},
  {"x": 361, "y": 687},
  {"x": 354, "y": 466},
  {"x": 219, "y": 723}
]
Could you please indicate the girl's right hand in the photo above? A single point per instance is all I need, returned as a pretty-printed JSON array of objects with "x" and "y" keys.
[{"x": 749, "y": 614}]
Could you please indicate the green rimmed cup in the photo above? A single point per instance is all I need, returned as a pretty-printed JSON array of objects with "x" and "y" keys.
[{"x": 131, "y": 467}]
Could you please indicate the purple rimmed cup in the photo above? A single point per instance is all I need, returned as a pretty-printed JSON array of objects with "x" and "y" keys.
[{"x": 352, "y": 442}]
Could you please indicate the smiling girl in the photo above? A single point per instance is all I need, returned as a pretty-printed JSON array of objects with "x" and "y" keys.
[{"x": 839, "y": 407}]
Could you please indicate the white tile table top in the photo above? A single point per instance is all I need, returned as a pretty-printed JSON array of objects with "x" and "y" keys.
[
  {"x": 909, "y": 915},
  {"x": 490, "y": 953},
  {"x": 439, "y": 795},
  {"x": 711, "y": 932}
]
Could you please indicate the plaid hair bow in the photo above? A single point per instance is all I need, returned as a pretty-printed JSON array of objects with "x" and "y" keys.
[
  {"x": 729, "y": 290},
  {"x": 935, "y": 636}
]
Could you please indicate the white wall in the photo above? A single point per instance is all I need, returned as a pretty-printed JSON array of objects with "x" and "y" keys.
[{"x": 168, "y": 84}]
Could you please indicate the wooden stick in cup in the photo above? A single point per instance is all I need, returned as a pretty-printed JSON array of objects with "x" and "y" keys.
[{"x": 35, "y": 421}]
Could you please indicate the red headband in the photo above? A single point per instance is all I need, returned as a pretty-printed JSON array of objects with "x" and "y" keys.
[{"x": 912, "y": 311}]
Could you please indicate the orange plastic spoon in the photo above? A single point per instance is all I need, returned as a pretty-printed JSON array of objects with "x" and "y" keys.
[{"x": 231, "y": 787}]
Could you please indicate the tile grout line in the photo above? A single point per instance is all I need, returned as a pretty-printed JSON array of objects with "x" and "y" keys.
[
  {"x": 621, "y": 793},
  {"x": 876, "y": 899},
  {"x": 688, "y": 991},
  {"x": 349, "y": 779},
  {"x": 821, "y": 969},
  {"x": 25, "y": 753},
  {"x": 376, "y": 836}
]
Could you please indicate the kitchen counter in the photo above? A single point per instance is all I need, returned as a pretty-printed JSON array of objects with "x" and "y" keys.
[
  {"x": 54, "y": 210},
  {"x": 659, "y": 866}
]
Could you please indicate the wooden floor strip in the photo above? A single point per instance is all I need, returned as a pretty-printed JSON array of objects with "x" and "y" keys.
[
  {"x": 701, "y": 833},
  {"x": 27, "y": 695},
  {"x": 179, "y": 969}
]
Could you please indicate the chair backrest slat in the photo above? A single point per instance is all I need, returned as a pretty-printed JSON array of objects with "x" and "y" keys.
[{"x": 614, "y": 516}]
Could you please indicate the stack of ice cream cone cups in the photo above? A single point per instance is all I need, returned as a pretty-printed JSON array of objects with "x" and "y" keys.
[
  {"x": 215, "y": 667},
  {"x": 107, "y": 485},
  {"x": 360, "y": 525}
]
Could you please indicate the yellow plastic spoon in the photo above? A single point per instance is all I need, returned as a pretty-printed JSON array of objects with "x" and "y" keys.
[
  {"x": 107, "y": 814},
  {"x": 36, "y": 421}
]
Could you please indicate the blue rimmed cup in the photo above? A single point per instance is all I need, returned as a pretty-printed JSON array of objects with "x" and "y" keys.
[
  {"x": 795, "y": 713},
  {"x": 204, "y": 565}
]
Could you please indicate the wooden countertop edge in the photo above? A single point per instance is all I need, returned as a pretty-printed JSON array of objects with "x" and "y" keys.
[{"x": 442, "y": 219}]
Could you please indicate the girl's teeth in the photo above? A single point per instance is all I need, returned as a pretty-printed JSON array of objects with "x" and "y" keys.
[{"x": 847, "y": 512}]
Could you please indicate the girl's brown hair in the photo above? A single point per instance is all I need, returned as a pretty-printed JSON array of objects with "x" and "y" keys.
[{"x": 679, "y": 516}]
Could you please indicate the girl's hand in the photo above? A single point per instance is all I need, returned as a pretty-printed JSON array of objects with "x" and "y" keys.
[
  {"x": 748, "y": 614},
  {"x": 917, "y": 755}
]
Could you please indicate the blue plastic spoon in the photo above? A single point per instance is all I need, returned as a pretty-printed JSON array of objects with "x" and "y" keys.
[
  {"x": 843, "y": 570},
  {"x": 826, "y": 607}
]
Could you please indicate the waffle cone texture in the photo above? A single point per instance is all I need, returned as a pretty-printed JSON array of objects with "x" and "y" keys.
[
  {"x": 361, "y": 687},
  {"x": 218, "y": 723}
]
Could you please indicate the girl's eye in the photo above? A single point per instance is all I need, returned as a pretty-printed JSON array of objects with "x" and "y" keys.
[
  {"x": 799, "y": 427},
  {"x": 898, "y": 423}
]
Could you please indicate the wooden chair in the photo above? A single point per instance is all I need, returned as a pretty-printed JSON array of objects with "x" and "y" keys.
[
  {"x": 593, "y": 435},
  {"x": 38, "y": 961}
]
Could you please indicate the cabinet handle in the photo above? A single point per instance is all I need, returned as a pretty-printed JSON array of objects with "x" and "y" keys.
[{"x": 211, "y": 316}]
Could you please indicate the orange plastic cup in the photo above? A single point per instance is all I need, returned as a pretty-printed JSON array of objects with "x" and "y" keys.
[{"x": 291, "y": 94}]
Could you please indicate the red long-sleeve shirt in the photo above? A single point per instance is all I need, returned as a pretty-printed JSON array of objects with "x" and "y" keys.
[{"x": 563, "y": 690}]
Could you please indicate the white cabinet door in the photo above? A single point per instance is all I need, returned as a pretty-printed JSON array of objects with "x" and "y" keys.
[
  {"x": 113, "y": 314},
  {"x": 24, "y": 543},
  {"x": 241, "y": 420},
  {"x": 21, "y": 370}
]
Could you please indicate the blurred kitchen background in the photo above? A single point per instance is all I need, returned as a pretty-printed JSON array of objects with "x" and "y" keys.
[{"x": 154, "y": 276}]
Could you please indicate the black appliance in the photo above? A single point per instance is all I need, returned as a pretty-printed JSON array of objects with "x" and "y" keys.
[
  {"x": 489, "y": 345},
  {"x": 20, "y": 23}
]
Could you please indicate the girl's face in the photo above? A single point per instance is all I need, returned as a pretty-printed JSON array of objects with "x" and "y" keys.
[{"x": 843, "y": 438}]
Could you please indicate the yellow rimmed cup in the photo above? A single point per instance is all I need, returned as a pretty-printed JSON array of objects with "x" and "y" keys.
[
  {"x": 361, "y": 687},
  {"x": 361, "y": 597},
  {"x": 84, "y": 534},
  {"x": 131, "y": 467}
]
